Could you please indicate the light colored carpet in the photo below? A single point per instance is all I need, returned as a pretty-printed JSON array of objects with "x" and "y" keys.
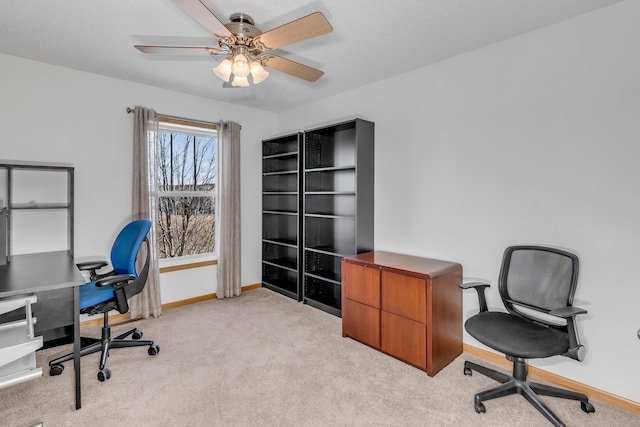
[{"x": 265, "y": 360}]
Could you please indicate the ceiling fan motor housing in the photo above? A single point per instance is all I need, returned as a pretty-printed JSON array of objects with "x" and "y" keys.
[{"x": 241, "y": 26}]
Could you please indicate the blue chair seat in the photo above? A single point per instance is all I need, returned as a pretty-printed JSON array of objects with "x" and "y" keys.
[{"x": 91, "y": 295}]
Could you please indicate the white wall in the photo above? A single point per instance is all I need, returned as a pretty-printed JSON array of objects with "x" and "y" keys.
[
  {"x": 532, "y": 140},
  {"x": 55, "y": 114}
]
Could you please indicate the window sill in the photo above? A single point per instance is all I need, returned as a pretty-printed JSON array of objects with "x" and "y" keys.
[{"x": 184, "y": 263}]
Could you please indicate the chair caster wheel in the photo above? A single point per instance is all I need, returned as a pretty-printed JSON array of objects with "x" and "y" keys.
[
  {"x": 104, "y": 374},
  {"x": 468, "y": 371},
  {"x": 137, "y": 335},
  {"x": 55, "y": 370},
  {"x": 479, "y": 407},
  {"x": 153, "y": 350},
  {"x": 587, "y": 407}
]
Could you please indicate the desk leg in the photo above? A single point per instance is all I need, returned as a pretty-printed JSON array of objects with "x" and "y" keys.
[{"x": 76, "y": 342}]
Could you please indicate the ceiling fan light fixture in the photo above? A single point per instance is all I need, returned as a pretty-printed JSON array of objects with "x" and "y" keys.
[
  {"x": 242, "y": 44},
  {"x": 240, "y": 66},
  {"x": 240, "y": 81},
  {"x": 223, "y": 70},
  {"x": 258, "y": 72}
]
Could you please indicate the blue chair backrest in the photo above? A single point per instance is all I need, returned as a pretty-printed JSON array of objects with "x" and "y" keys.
[{"x": 126, "y": 246}]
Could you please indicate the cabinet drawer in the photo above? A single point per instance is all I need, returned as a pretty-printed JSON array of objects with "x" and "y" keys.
[
  {"x": 404, "y": 338},
  {"x": 361, "y": 284},
  {"x": 404, "y": 295},
  {"x": 361, "y": 323}
]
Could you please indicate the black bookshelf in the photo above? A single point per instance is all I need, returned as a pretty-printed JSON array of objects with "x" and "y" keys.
[
  {"x": 281, "y": 206},
  {"x": 337, "y": 206},
  {"x": 318, "y": 189}
]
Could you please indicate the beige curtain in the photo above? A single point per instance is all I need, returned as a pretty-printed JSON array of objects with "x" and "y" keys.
[
  {"x": 228, "y": 215},
  {"x": 145, "y": 130}
]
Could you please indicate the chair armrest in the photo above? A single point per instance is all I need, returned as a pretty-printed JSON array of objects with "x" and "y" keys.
[
  {"x": 470, "y": 285},
  {"x": 566, "y": 312},
  {"x": 115, "y": 280},
  {"x": 119, "y": 283},
  {"x": 479, "y": 287},
  {"x": 91, "y": 265},
  {"x": 576, "y": 350}
]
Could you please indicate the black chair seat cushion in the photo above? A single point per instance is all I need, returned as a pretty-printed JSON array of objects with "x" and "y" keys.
[{"x": 515, "y": 336}]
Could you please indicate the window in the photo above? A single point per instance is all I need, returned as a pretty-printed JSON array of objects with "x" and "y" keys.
[{"x": 186, "y": 175}]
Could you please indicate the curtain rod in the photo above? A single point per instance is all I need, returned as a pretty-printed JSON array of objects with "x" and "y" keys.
[{"x": 131, "y": 110}]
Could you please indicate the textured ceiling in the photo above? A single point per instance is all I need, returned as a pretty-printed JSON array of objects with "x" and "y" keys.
[{"x": 372, "y": 39}]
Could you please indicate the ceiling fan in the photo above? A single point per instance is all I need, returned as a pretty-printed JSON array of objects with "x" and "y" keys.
[{"x": 247, "y": 49}]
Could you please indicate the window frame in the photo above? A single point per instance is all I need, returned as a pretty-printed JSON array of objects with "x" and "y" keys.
[{"x": 186, "y": 126}]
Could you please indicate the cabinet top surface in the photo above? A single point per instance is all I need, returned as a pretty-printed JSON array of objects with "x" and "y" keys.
[{"x": 405, "y": 263}]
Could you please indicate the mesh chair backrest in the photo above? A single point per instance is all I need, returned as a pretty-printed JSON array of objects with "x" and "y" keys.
[
  {"x": 538, "y": 278},
  {"x": 126, "y": 246}
]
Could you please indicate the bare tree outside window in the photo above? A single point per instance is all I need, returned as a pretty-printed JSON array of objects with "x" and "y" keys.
[{"x": 186, "y": 185}]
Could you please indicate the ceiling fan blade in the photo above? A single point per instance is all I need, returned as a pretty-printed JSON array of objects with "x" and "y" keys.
[
  {"x": 178, "y": 50},
  {"x": 301, "y": 29},
  {"x": 291, "y": 67},
  {"x": 204, "y": 16}
]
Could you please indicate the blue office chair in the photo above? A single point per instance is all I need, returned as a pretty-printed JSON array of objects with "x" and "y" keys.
[{"x": 112, "y": 291}]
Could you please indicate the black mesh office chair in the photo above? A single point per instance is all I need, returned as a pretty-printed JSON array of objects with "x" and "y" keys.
[
  {"x": 536, "y": 285},
  {"x": 111, "y": 291}
]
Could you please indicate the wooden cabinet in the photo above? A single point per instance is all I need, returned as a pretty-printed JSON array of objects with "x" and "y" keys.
[{"x": 408, "y": 307}]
